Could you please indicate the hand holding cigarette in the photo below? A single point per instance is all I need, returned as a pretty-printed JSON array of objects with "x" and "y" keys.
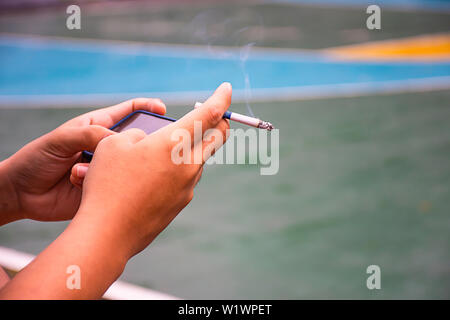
[{"x": 250, "y": 121}]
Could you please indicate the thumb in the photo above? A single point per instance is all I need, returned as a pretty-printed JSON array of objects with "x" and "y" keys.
[
  {"x": 67, "y": 141},
  {"x": 79, "y": 170},
  {"x": 213, "y": 109},
  {"x": 78, "y": 173}
]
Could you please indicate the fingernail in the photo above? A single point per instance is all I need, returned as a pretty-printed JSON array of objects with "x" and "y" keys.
[
  {"x": 81, "y": 171},
  {"x": 226, "y": 85},
  {"x": 198, "y": 105}
]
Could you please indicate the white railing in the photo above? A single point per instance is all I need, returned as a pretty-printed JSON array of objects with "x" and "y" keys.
[{"x": 15, "y": 261}]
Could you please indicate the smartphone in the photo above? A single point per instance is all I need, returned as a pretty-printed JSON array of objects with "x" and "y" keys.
[{"x": 147, "y": 121}]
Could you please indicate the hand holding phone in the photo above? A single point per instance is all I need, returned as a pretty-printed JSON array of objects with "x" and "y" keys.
[
  {"x": 130, "y": 194},
  {"x": 134, "y": 185},
  {"x": 146, "y": 121},
  {"x": 39, "y": 170}
]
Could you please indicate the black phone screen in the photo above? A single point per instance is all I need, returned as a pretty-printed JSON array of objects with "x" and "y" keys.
[{"x": 146, "y": 122}]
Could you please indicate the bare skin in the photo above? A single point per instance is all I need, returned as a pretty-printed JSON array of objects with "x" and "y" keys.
[
  {"x": 4, "y": 278},
  {"x": 118, "y": 209}
]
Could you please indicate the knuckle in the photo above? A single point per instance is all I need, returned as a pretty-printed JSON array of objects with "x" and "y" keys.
[
  {"x": 134, "y": 102},
  {"x": 214, "y": 114},
  {"x": 138, "y": 132},
  {"x": 108, "y": 141},
  {"x": 93, "y": 133},
  {"x": 90, "y": 132}
]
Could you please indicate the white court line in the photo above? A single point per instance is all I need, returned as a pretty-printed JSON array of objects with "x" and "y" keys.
[
  {"x": 257, "y": 95},
  {"x": 15, "y": 261}
]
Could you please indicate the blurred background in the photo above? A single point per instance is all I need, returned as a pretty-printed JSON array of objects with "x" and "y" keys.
[{"x": 364, "y": 135}]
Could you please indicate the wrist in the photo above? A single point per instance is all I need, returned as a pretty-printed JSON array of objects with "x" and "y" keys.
[
  {"x": 85, "y": 247},
  {"x": 9, "y": 199},
  {"x": 94, "y": 226}
]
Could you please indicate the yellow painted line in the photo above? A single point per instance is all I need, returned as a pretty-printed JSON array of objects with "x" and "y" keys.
[{"x": 425, "y": 47}]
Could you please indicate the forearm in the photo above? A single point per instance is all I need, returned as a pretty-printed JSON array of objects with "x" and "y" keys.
[
  {"x": 9, "y": 204},
  {"x": 83, "y": 246}
]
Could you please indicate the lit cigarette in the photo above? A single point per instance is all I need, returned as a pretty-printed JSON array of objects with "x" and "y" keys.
[{"x": 250, "y": 121}]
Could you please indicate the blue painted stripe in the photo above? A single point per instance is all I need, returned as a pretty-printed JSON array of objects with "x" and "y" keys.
[{"x": 52, "y": 68}]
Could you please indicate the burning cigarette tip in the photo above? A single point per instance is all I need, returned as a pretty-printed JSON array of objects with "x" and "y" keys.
[{"x": 266, "y": 125}]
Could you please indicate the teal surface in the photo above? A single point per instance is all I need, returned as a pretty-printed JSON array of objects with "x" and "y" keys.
[
  {"x": 46, "y": 67},
  {"x": 362, "y": 180}
]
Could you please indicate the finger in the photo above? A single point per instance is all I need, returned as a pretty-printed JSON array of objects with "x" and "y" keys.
[
  {"x": 109, "y": 116},
  {"x": 79, "y": 170},
  {"x": 67, "y": 141},
  {"x": 209, "y": 114},
  {"x": 76, "y": 181},
  {"x": 78, "y": 173},
  {"x": 132, "y": 135},
  {"x": 123, "y": 109},
  {"x": 215, "y": 139}
]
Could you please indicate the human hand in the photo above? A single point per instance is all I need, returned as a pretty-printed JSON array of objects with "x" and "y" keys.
[
  {"x": 38, "y": 174},
  {"x": 133, "y": 189}
]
